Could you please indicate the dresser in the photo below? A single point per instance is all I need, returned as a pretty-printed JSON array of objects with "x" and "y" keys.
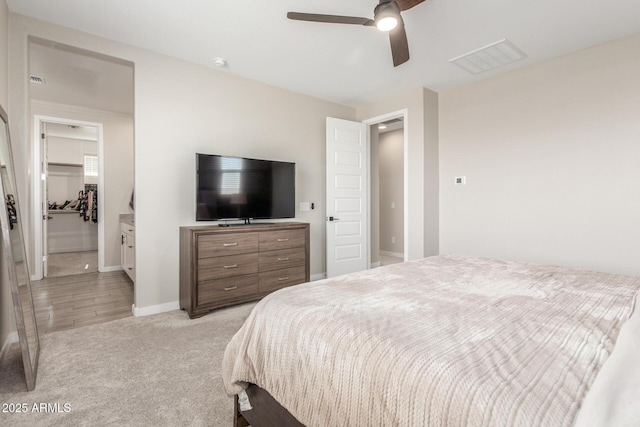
[{"x": 223, "y": 266}]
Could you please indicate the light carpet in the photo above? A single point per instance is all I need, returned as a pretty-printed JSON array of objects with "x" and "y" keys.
[{"x": 160, "y": 370}]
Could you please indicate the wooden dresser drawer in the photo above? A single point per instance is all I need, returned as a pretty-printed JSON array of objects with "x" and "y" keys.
[
  {"x": 227, "y": 266},
  {"x": 286, "y": 258},
  {"x": 223, "y": 266},
  {"x": 282, "y": 239},
  {"x": 273, "y": 280},
  {"x": 233, "y": 288},
  {"x": 213, "y": 245}
]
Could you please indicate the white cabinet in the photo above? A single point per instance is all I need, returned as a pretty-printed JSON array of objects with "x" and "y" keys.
[{"x": 127, "y": 249}]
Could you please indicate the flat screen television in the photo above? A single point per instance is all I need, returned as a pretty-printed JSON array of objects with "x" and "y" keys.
[{"x": 230, "y": 188}]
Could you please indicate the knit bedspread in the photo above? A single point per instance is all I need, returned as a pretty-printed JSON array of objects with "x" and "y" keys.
[{"x": 443, "y": 341}]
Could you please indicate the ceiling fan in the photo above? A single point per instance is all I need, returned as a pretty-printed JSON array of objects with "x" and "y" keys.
[{"x": 386, "y": 17}]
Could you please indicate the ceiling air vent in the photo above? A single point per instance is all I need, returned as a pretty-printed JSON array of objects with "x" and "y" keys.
[
  {"x": 36, "y": 79},
  {"x": 487, "y": 58}
]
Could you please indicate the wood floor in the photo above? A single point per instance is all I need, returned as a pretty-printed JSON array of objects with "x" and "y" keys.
[
  {"x": 79, "y": 300},
  {"x": 68, "y": 263}
]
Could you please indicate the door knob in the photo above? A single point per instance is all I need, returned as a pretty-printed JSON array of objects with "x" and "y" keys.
[{"x": 333, "y": 219}]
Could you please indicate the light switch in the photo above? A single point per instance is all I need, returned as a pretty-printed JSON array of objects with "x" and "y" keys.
[{"x": 305, "y": 206}]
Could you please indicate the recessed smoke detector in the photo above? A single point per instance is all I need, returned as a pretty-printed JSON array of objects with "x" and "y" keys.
[
  {"x": 36, "y": 79},
  {"x": 487, "y": 58},
  {"x": 219, "y": 62}
]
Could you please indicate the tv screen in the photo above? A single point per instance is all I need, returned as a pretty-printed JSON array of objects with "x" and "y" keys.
[{"x": 241, "y": 188}]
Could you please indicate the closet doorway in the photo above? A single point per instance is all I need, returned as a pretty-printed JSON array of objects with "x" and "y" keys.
[
  {"x": 70, "y": 86},
  {"x": 71, "y": 185}
]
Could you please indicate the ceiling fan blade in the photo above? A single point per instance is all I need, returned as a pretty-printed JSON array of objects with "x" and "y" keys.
[
  {"x": 332, "y": 19},
  {"x": 408, "y": 4},
  {"x": 399, "y": 45}
]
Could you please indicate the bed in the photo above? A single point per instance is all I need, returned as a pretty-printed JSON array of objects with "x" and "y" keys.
[{"x": 443, "y": 341}]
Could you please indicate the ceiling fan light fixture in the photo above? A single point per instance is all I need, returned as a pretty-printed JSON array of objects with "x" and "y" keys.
[
  {"x": 386, "y": 16},
  {"x": 387, "y": 23}
]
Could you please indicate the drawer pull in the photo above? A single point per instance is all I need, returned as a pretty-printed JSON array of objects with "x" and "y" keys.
[
  {"x": 130, "y": 247},
  {"x": 283, "y": 240},
  {"x": 231, "y": 288},
  {"x": 282, "y": 279},
  {"x": 226, "y": 245},
  {"x": 231, "y": 266},
  {"x": 283, "y": 259}
]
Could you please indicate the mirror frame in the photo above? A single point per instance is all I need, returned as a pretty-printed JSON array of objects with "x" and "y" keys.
[{"x": 30, "y": 355}]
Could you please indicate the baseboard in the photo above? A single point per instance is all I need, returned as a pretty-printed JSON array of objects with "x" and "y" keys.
[
  {"x": 104, "y": 270},
  {"x": 393, "y": 254},
  {"x": 175, "y": 305},
  {"x": 155, "y": 309},
  {"x": 375, "y": 264},
  {"x": 67, "y": 249},
  {"x": 11, "y": 339}
]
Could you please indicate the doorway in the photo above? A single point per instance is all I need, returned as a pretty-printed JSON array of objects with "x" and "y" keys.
[
  {"x": 70, "y": 161},
  {"x": 387, "y": 148},
  {"x": 390, "y": 202},
  {"x": 73, "y": 90},
  {"x": 81, "y": 91},
  {"x": 353, "y": 220}
]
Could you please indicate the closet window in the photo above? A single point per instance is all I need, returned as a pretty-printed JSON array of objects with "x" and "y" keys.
[{"x": 90, "y": 165}]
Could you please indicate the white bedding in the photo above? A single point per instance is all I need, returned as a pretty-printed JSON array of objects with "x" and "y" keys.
[
  {"x": 443, "y": 341},
  {"x": 614, "y": 397}
]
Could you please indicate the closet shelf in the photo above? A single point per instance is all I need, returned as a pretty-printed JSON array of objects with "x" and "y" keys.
[
  {"x": 75, "y": 165},
  {"x": 63, "y": 211}
]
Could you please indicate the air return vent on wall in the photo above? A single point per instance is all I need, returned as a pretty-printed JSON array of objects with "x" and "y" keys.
[
  {"x": 36, "y": 79},
  {"x": 487, "y": 58}
]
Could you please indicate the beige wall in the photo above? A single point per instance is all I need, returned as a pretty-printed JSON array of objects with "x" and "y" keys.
[
  {"x": 118, "y": 166},
  {"x": 551, "y": 158},
  {"x": 7, "y": 325},
  {"x": 236, "y": 117},
  {"x": 431, "y": 183},
  {"x": 391, "y": 188},
  {"x": 181, "y": 109}
]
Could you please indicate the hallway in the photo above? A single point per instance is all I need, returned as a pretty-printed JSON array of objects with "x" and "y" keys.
[{"x": 70, "y": 302}]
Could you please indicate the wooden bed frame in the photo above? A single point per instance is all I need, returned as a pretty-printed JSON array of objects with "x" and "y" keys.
[{"x": 265, "y": 412}]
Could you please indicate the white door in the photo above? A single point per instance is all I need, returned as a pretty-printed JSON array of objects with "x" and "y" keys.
[
  {"x": 347, "y": 229},
  {"x": 44, "y": 169}
]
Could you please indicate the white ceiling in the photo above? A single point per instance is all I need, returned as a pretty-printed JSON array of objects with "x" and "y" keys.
[{"x": 347, "y": 64}]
